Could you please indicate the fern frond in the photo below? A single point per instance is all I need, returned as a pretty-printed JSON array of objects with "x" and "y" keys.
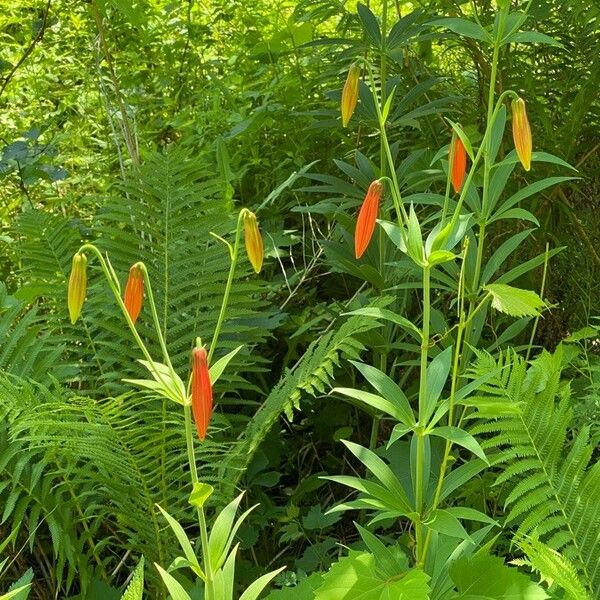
[
  {"x": 312, "y": 375},
  {"x": 555, "y": 495}
]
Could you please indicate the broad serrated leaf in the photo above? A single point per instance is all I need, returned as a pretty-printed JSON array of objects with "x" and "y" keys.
[{"x": 514, "y": 301}]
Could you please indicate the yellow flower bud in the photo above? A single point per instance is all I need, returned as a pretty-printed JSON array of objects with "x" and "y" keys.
[
  {"x": 77, "y": 286},
  {"x": 350, "y": 94},
  {"x": 521, "y": 132},
  {"x": 253, "y": 240}
]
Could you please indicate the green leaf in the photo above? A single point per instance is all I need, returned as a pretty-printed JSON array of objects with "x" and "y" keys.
[
  {"x": 380, "y": 470},
  {"x": 317, "y": 519},
  {"x": 356, "y": 577},
  {"x": 470, "y": 514},
  {"x": 201, "y": 492},
  {"x": 463, "y": 138},
  {"x": 552, "y": 566},
  {"x": 377, "y": 402},
  {"x": 445, "y": 522},
  {"x": 487, "y": 577},
  {"x": 437, "y": 257},
  {"x": 388, "y": 105},
  {"x": 388, "y": 315},
  {"x": 414, "y": 238},
  {"x": 395, "y": 233},
  {"x": 175, "y": 588},
  {"x": 583, "y": 334},
  {"x": 384, "y": 556},
  {"x": 135, "y": 589},
  {"x": 502, "y": 253},
  {"x": 216, "y": 370},
  {"x": 529, "y": 190},
  {"x": 437, "y": 374},
  {"x": 20, "y": 589},
  {"x": 184, "y": 542},
  {"x": 514, "y": 301},
  {"x": 370, "y": 24},
  {"x": 463, "y": 27},
  {"x": 532, "y": 37},
  {"x": 254, "y": 590},
  {"x": 389, "y": 390},
  {"x": 223, "y": 531},
  {"x": 460, "y": 437}
]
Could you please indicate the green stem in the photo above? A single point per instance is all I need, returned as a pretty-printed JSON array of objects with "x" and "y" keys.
[
  {"x": 487, "y": 164},
  {"x": 537, "y": 319},
  {"x": 396, "y": 196},
  {"x": 234, "y": 258},
  {"x": 189, "y": 438},
  {"x": 383, "y": 77},
  {"x": 462, "y": 324},
  {"x": 420, "y": 474},
  {"x": 115, "y": 288}
]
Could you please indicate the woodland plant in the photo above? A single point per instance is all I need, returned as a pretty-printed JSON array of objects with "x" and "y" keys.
[{"x": 217, "y": 569}]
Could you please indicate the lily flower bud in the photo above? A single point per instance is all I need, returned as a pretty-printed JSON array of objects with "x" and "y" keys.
[
  {"x": 77, "y": 286},
  {"x": 350, "y": 94},
  {"x": 521, "y": 132},
  {"x": 133, "y": 297},
  {"x": 202, "y": 398},
  {"x": 253, "y": 240},
  {"x": 367, "y": 217},
  {"x": 458, "y": 162}
]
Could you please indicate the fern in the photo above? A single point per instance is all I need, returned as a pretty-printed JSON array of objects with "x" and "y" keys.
[
  {"x": 553, "y": 567},
  {"x": 90, "y": 471},
  {"x": 311, "y": 375},
  {"x": 163, "y": 216},
  {"x": 555, "y": 494},
  {"x": 22, "y": 351}
]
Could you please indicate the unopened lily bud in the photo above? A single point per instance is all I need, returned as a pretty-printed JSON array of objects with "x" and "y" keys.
[
  {"x": 350, "y": 94},
  {"x": 133, "y": 297},
  {"x": 202, "y": 398},
  {"x": 77, "y": 286},
  {"x": 253, "y": 240},
  {"x": 458, "y": 162},
  {"x": 521, "y": 132},
  {"x": 367, "y": 218}
]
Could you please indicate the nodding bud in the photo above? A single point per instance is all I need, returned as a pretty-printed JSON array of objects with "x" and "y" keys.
[
  {"x": 202, "y": 399},
  {"x": 367, "y": 217},
  {"x": 350, "y": 94},
  {"x": 458, "y": 162},
  {"x": 133, "y": 298},
  {"x": 77, "y": 286},
  {"x": 521, "y": 132},
  {"x": 253, "y": 240}
]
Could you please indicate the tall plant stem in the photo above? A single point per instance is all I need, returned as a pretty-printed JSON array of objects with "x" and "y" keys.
[
  {"x": 542, "y": 289},
  {"x": 189, "y": 438},
  {"x": 234, "y": 253},
  {"x": 487, "y": 158},
  {"x": 382, "y": 163},
  {"x": 455, "y": 374},
  {"x": 382, "y": 158},
  {"x": 419, "y": 467}
]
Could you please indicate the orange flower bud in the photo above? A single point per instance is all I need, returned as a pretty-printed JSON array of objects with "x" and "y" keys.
[
  {"x": 521, "y": 132},
  {"x": 133, "y": 297},
  {"x": 350, "y": 94},
  {"x": 458, "y": 162},
  {"x": 77, "y": 286},
  {"x": 365, "y": 224},
  {"x": 253, "y": 239},
  {"x": 202, "y": 399}
]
